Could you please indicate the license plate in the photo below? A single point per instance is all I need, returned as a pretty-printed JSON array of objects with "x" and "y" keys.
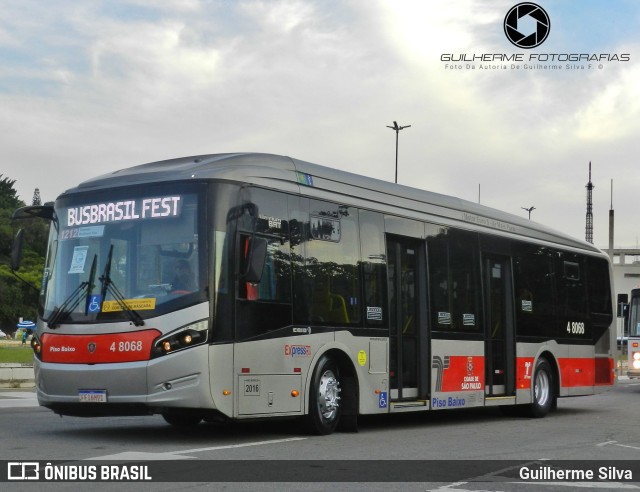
[{"x": 92, "y": 396}]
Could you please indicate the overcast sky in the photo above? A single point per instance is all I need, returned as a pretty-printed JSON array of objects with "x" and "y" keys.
[{"x": 93, "y": 86}]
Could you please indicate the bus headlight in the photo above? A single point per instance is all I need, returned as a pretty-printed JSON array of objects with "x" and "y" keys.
[
  {"x": 636, "y": 356},
  {"x": 182, "y": 338},
  {"x": 36, "y": 346}
]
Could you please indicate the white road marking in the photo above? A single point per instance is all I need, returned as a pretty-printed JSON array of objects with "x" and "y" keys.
[
  {"x": 18, "y": 403},
  {"x": 616, "y": 443},
  {"x": 17, "y": 394},
  {"x": 182, "y": 454},
  {"x": 587, "y": 485},
  {"x": 17, "y": 399}
]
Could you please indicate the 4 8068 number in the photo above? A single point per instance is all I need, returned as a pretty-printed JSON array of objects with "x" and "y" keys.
[
  {"x": 128, "y": 346},
  {"x": 575, "y": 328}
]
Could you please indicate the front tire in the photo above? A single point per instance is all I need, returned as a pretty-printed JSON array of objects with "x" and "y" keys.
[
  {"x": 325, "y": 408},
  {"x": 544, "y": 398}
]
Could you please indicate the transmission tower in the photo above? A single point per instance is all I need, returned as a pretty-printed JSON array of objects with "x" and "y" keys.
[
  {"x": 36, "y": 197},
  {"x": 589, "y": 226}
]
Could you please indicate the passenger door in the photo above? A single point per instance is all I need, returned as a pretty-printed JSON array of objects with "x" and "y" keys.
[
  {"x": 405, "y": 262},
  {"x": 499, "y": 326}
]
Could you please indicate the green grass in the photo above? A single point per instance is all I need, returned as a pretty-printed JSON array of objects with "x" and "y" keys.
[{"x": 15, "y": 354}]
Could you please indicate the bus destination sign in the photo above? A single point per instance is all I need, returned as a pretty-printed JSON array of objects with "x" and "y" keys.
[{"x": 138, "y": 209}]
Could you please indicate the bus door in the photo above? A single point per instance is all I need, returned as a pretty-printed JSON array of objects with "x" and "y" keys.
[
  {"x": 406, "y": 259},
  {"x": 499, "y": 326}
]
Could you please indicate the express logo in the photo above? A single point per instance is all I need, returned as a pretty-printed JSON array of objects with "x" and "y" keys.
[
  {"x": 297, "y": 350},
  {"x": 527, "y": 25}
]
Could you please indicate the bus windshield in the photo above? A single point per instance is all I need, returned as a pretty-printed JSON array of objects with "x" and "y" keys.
[
  {"x": 634, "y": 316},
  {"x": 125, "y": 254}
]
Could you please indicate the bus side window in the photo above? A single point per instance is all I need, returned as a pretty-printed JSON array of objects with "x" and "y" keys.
[
  {"x": 374, "y": 274},
  {"x": 572, "y": 296},
  {"x": 439, "y": 279},
  {"x": 599, "y": 290},
  {"x": 265, "y": 304},
  {"x": 274, "y": 284},
  {"x": 534, "y": 283},
  {"x": 250, "y": 291},
  {"x": 454, "y": 280},
  {"x": 331, "y": 270}
]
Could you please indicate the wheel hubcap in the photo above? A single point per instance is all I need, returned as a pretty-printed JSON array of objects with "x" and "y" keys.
[
  {"x": 328, "y": 395},
  {"x": 542, "y": 388}
]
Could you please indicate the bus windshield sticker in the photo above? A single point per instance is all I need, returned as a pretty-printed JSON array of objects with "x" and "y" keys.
[
  {"x": 79, "y": 259},
  {"x": 374, "y": 313},
  {"x": 140, "y": 209},
  {"x": 93, "y": 303},
  {"x": 527, "y": 306},
  {"x": 135, "y": 304},
  {"x": 469, "y": 319},
  {"x": 81, "y": 232},
  {"x": 91, "y": 231},
  {"x": 444, "y": 318}
]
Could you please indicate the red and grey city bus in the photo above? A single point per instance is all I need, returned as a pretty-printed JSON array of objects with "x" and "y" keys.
[{"x": 244, "y": 286}]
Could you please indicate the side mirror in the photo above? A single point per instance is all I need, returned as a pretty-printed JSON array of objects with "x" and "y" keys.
[
  {"x": 255, "y": 260},
  {"x": 16, "y": 250}
]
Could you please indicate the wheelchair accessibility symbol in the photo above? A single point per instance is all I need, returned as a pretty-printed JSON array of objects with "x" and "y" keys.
[
  {"x": 94, "y": 303},
  {"x": 382, "y": 399}
]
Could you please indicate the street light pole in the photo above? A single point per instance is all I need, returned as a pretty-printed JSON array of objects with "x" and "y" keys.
[
  {"x": 530, "y": 209},
  {"x": 397, "y": 130}
]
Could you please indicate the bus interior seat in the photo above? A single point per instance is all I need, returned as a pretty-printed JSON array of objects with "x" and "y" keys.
[{"x": 327, "y": 306}]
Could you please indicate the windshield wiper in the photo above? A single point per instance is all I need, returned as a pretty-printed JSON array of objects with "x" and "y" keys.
[
  {"x": 109, "y": 286},
  {"x": 74, "y": 298}
]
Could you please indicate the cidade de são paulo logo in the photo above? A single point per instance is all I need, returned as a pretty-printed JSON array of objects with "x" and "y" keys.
[{"x": 527, "y": 25}]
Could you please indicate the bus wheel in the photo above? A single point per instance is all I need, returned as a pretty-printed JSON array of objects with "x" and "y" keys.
[
  {"x": 182, "y": 419},
  {"x": 324, "y": 398},
  {"x": 543, "y": 395}
]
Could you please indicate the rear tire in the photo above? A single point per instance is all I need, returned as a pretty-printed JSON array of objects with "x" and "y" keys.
[
  {"x": 325, "y": 408},
  {"x": 543, "y": 393}
]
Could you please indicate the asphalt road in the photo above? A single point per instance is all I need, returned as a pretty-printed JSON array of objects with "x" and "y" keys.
[{"x": 598, "y": 430}]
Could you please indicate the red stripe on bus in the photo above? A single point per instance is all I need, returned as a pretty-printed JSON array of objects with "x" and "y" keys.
[
  {"x": 574, "y": 372},
  {"x": 586, "y": 372},
  {"x": 98, "y": 349}
]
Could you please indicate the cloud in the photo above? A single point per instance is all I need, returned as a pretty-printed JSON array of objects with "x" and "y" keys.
[
  {"x": 612, "y": 113},
  {"x": 90, "y": 87}
]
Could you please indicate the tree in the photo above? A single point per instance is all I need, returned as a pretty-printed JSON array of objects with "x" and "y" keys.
[
  {"x": 36, "y": 197},
  {"x": 8, "y": 195},
  {"x": 17, "y": 299}
]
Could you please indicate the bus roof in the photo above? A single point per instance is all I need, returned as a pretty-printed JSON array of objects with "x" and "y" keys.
[{"x": 293, "y": 175}]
